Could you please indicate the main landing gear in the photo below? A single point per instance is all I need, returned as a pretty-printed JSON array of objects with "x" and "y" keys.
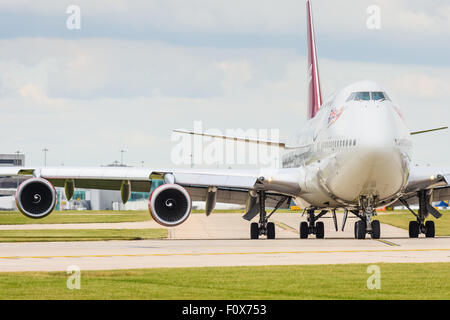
[
  {"x": 313, "y": 226},
  {"x": 425, "y": 208},
  {"x": 264, "y": 227},
  {"x": 366, "y": 225}
]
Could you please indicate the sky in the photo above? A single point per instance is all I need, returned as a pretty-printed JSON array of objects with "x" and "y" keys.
[{"x": 135, "y": 70}]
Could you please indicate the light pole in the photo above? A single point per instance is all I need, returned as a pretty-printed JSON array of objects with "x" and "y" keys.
[
  {"x": 121, "y": 156},
  {"x": 18, "y": 156},
  {"x": 45, "y": 150}
]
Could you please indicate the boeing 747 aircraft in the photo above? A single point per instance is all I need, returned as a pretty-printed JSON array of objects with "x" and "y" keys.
[{"x": 353, "y": 154}]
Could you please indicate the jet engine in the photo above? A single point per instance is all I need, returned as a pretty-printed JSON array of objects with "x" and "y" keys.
[
  {"x": 36, "y": 198},
  {"x": 170, "y": 205}
]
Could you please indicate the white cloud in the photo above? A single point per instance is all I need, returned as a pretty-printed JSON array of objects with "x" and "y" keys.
[
  {"x": 423, "y": 85},
  {"x": 264, "y": 89},
  {"x": 236, "y": 74},
  {"x": 250, "y": 16}
]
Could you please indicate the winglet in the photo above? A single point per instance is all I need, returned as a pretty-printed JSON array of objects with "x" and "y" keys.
[{"x": 314, "y": 91}]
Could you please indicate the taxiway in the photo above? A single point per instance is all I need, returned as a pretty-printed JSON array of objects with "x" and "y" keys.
[{"x": 221, "y": 240}]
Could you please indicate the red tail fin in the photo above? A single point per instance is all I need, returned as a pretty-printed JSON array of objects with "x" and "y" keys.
[{"x": 314, "y": 92}]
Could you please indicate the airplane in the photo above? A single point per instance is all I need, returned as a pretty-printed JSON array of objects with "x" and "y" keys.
[{"x": 353, "y": 154}]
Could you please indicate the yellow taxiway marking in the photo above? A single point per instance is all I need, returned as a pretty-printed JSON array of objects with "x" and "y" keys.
[
  {"x": 389, "y": 243},
  {"x": 223, "y": 253},
  {"x": 285, "y": 226}
]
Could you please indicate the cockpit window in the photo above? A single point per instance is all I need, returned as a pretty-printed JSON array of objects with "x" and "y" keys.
[
  {"x": 366, "y": 96},
  {"x": 362, "y": 96},
  {"x": 379, "y": 96}
]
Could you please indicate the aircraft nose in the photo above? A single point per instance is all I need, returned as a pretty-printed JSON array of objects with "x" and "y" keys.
[
  {"x": 376, "y": 128},
  {"x": 375, "y": 166}
]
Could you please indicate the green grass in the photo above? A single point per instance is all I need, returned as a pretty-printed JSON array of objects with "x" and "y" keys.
[
  {"x": 81, "y": 235},
  {"x": 11, "y": 217},
  {"x": 86, "y": 216},
  {"x": 402, "y": 220},
  {"x": 398, "y": 281}
]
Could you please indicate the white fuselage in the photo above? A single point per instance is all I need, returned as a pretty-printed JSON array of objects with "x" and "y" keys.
[{"x": 356, "y": 148}]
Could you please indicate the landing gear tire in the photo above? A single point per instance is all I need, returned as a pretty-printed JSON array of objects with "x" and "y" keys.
[
  {"x": 414, "y": 229},
  {"x": 429, "y": 229},
  {"x": 420, "y": 225},
  {"x": 304, "y": 230},
  {"x": 376, "y": 232},
  {"x": 360, "y": 229},
  {"x": 254, "y": 231},
  {"x": 320, "y": 230},
  {"x": 270, "y": 230}
]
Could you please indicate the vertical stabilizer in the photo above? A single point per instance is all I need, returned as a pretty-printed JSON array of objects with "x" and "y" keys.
[{"x": 314, "y": 92}]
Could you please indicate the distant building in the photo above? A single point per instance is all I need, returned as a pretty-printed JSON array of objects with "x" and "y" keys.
[
  {"x": 138, "y": 200},
  {"x": 12, "y": 160},
  {"x": 9, "y": 183},
  {"x": 87, "y": 199}
]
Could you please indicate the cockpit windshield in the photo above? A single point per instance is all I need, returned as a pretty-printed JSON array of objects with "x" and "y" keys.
[
  {"x": 379, "y": 96},
  {"x": 366, "y": 96}
]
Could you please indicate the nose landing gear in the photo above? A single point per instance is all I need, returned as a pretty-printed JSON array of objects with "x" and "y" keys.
[
  {"x": 313, "y": 227},
  {"x": 366, "y": 225}
]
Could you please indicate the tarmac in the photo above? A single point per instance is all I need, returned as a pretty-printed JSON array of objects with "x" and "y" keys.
[{"x": 220, "y": 240}]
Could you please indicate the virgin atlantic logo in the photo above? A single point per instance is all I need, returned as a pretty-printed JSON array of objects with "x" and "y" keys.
[{"x": 334, "y": 115}]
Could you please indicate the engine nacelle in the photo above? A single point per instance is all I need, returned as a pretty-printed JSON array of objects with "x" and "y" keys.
[
  {"x": 170, "y": 205},
  {"x": 36, "y": 198}
]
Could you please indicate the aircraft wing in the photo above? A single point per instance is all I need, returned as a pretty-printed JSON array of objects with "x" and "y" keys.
[
  {"x": 232, "y": 185},
  {"x": 434, "y": 179}
]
